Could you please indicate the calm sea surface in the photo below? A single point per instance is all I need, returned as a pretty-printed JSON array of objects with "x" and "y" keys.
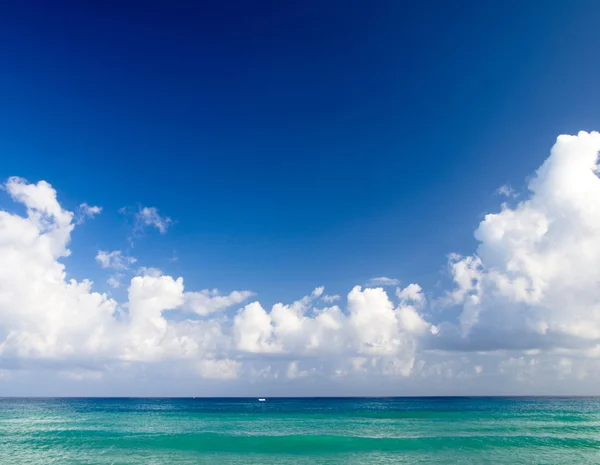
[{"x": 303, "y": 431}]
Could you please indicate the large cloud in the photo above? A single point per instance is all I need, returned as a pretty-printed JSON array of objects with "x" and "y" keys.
[
  {"x": 46, "y": 318},
  {"x": 534, "y": 282},
  {"x": 528, "y": 303}
]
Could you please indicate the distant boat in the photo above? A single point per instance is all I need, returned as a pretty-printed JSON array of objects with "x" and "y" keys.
[{"x": 261, "y": 399}]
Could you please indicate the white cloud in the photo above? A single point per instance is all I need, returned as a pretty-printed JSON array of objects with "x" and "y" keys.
[
  {"x": 66, "y": 321},
  {"x": 115, "y": 260},
  {"x": 382, "y": 281},
  {"x": 507, "y": 191},
  {"x": 149, "y": 271},
  {"x": 42, "y": 315},
  {"x": 372, "y": 327},
  {"x": 411, "y": 294},
  {"x": 525, "y": 306},
  {"x": 149, "y": 216},
  {"x": 148, "y": 330},
  {"x": 533, "y": 283},
  {"x": 329, "y": 299},
  {"x": 225, "y": 369},
  {"x": 87, "y": 211},
  {"x": 114, "y": 281},
  {"x": 207, "y": 301},
  {"x": 317, "y": 292}
]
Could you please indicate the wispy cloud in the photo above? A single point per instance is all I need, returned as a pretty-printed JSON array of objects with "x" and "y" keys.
[
  {"x": 149, "y": 271},
  {"x": 144, "y": 218},
  {"x": 329, "y": 299},
  {"x": 114, "y": 281},
  {"x": 507, "y": 191},
  {"x": 149, "y": 216},
  {"x": 86, "y": 211},
  {"x": 382, "y": 281},
  {"x": 115, "y": 260}
]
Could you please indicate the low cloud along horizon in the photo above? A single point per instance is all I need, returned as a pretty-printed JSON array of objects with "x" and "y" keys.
[{"x": 522, "y": 314}]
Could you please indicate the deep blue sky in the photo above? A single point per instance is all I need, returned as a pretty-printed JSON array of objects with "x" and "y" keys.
[{"x": 294, "y": 143}]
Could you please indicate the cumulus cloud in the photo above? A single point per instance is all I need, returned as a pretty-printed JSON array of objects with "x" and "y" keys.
[
  {"x": 42, "y": 314},
  {"x": 525, "y": 306},
  {"x": 382, "y": 281},
  {"x": 372, "y": 328},
  {"x": 533, "y": 282},
  {"x": 411, "y": 294},
  {"x": 318, "y": 292},
  {"x": 46, "y": 318}
]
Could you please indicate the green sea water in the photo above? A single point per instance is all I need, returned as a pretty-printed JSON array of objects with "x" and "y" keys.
[{"x": 300, "y": 431}]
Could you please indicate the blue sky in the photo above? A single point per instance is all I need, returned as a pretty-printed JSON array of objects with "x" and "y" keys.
[
  {"x": 293, "y": 145},
  {"x": 299, "y": 143}
]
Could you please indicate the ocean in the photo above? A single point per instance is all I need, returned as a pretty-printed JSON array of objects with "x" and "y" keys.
[{"x": 448, "y": 430}]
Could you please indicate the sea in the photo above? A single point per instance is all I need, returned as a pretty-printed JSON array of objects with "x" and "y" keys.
[{"x": 445, "y": 430}]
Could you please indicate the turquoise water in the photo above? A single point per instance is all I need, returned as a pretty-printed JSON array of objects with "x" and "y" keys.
[{"x": 315, "y": 431}]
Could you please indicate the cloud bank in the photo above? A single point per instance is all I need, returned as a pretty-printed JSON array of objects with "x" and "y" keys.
[{"x": 524, "y": 307}]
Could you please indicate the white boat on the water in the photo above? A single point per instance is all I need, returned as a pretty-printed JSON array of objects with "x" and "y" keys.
[{"x": 261, "y": 399}]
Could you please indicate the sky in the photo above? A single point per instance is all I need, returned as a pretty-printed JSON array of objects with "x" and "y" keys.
[{"x": 299, "y": 198}]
